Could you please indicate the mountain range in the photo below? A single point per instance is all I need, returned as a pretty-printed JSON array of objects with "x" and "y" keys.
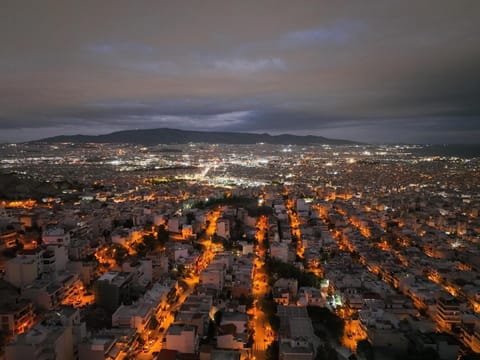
[{"x": 175, "y": 136}]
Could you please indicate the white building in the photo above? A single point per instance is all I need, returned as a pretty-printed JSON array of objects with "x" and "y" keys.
[
  {"x": 136, "y": 316},
  {"x": 98, "y": 348},
  {"x": 182, "y": 338},
  {"x": 56, "y": 236},
  {"x": 229, "y": 338},
  {"x": 296, "y": 349},
  {"x": 142, "y": 270},
  {"x": 54, "y": 260},
  {"x": 180, "y": 252},
  {"x": 239, "y": 319},
  {"x": 21, "y": 271},
  {"x": 223, "y": 228},
  {"x": 310, "y": 296},
  {"x": 42, "y": 342},
  {"x": 174, "y": 224},
  {"x": 279, "y": 250},
  {"x": 246, "y": 248},
  {"x": 213, "y": 276}
]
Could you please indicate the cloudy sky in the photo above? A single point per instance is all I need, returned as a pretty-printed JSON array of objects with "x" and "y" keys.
[{"x": 374, "y": 71}]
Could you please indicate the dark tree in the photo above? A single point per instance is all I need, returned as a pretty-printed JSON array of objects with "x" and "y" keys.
[
  {"x": 246, "y": 300},
  {"x": 328, "y": 319},
  {"x": 326, "y": 352},
  {"x": 365, "y": 348},
  {"x": 274, "y": 321},
  {"x": 3, "y": 340},
  {"x": 162, "y": 235},
  {"x": 119, "y": 253},
  {"x": 153, "y": 323},
  {"x": 218, "y": 317},
  {"x": 272, "y": 352},
  {"x": 190, "y": 218}
]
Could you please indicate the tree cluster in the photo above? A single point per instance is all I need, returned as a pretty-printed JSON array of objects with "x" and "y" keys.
[
  {"x": 287, "y": 270},
  {"x": 328, "y": 319}
]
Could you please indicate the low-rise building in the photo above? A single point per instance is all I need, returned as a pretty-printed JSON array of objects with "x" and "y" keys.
[
  {"x": 296, "y": 349},
  {"x": 113, "y": 288},
  {"x": 51, "y": 341},
  {"x": 56, "y": 236},
  {"x": 21, "y": 270},
  {"x": 229, "y": 338},
  {"x": 49, "y": 294},
  {"x": 239, "y": 319},
  {"x": 310, "y": 296},
  {"x": 448, "y": 313},
  {"x": 223, "y": 228},
  {"x": 98, "y": 348},
  {"x": 108, "y": 344},
  {"x": 182, "y": 338},
  {"x": 279, "y": 250},
  {"x": 135, "y": 316},
  {"x": 213, "y": 277},
  {"x": 16, "y": 317}
]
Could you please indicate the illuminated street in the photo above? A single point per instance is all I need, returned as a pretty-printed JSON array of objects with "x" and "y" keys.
[
  {"x": 262, "y": 333},
  {"x": 295, "y": 226}
]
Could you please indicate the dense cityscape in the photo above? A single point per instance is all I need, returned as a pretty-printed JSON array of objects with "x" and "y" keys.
[
  {"x": 239, "y": 180},
  {"x": 218, "y": 251}
]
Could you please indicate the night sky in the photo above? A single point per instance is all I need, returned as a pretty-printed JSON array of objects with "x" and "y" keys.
[{"x": 373, "y": 71}]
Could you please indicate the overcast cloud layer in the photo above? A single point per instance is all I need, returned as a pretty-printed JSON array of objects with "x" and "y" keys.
[{"x": 374, "y": 71}]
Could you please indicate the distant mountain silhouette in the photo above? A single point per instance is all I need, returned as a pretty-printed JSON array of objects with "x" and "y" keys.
[{"x": 175, "y": 136}]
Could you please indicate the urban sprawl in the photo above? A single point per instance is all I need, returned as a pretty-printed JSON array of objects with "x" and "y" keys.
[{"x": 204, "y": 251}]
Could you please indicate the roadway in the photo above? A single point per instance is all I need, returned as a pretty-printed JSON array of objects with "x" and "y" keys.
[
  {"x": 157, "y": 335},
  {"x": 191, "y": 281},
  {"x": 262, "y": 336}
]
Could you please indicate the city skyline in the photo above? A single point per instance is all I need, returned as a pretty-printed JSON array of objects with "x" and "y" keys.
[{"x": 374, "y": 72}]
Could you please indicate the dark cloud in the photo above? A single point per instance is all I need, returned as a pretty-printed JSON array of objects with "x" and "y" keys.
[{"x": 372, "y": 71}]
